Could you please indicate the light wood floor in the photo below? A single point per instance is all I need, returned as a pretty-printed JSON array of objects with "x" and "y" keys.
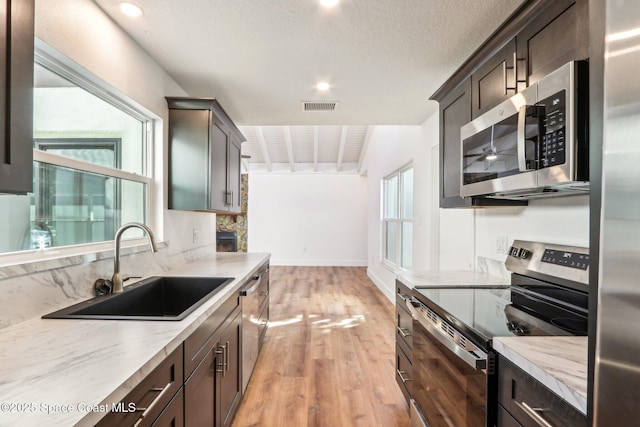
[{"x": 329, "y": 354}]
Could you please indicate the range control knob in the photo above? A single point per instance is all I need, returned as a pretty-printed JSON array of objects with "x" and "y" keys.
[
  {"x": 517, "y": 328},
  {"x": 524, "y": 253},
  {"x": 513, "y": 251}
]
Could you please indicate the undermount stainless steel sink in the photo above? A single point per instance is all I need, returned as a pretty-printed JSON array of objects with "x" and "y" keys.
[{"x": 154, "y": 298}]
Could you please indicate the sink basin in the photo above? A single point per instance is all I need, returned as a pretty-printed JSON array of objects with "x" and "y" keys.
[{"x": 155, "y": 298}]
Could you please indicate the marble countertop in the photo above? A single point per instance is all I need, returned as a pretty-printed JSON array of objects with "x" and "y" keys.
[
  {"x": 421, "y": 279},
  {"x": 57, "y": 372},
  {"x": 560, "y": 363}
]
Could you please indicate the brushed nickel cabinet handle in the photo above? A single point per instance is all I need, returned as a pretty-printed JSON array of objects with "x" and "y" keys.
[
  {"x": 401, "y": 374},
  {"x": 402, "y": 332},
  {"x": 221, "y": 364},
  {"x": 534, "y": 414},
  {"x": 145, "y": 411},
  {"x": 514, "y": 67},
  {"x": 226, "y": 358}
]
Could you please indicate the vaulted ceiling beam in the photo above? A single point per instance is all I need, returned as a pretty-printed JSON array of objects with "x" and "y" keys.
[
  {"x": 343, "y": 142},
  {"x": 287, "y": 141},
  {"x": 365, "y": 147},
  {"x": 315, "y": 148},
  {"x": 263, "y": 147}
]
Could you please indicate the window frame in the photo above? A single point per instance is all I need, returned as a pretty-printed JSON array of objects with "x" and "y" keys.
[
  {"x": 55, "y": 61},
  {"x": 398, "y": 222}
]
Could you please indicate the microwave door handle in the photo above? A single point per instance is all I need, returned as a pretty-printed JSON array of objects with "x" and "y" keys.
[{"x": 521, "y": 148}]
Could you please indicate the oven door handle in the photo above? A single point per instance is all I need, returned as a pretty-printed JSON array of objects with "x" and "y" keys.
[{"x": 477, "y": 359}]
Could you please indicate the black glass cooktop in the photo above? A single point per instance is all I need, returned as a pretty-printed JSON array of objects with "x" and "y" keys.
[
  {"x": 482, "y": 313},
  {"x": 479, "y": 313}
]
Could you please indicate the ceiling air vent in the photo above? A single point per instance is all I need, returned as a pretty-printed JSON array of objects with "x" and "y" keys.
[{"x": 320, "y": 106}]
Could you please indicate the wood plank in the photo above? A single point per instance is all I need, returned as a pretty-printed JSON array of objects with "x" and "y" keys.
[{"x": 329, "y": 354}]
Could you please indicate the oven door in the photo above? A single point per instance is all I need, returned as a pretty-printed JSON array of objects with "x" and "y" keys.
[{"x": 450, "y": 381}]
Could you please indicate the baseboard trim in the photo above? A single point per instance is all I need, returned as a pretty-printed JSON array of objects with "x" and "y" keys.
[
  {"x": 388, "y": 292},
  {"x": 318, "y": 263}
]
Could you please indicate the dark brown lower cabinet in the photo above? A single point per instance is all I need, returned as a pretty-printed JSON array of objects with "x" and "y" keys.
[
  {"x": 524, "y": 401},
  {"x": 173, "y": 414},
  {"x": 147, "y": 403},
  {"x": 198, "y": 385},
  {"x": 212, "y": 393},
  {"x": 230, "y": 394}
]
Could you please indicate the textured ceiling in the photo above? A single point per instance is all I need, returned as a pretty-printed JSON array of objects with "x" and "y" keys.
[{"x": 261, "y": 59}]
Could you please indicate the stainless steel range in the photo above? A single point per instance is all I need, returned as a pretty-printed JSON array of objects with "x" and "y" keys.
[{"x": 453, "y": 328}]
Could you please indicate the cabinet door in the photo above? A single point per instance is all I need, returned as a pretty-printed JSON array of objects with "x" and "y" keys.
[
  {"x": 188, "y": 159},
  {"x": 16, "y": 96},
  {"x": 230, "y": 392},
  {"x": 218, "y": 185},
  {"x": 558, "y": 35},
  {"x": 455, "y": 111},
  {"x": 495, "y": 81},
  {"x": 518, "y": 392},
  {"x": 234, "y": 195},
  {"x": 200, "y": 392}
]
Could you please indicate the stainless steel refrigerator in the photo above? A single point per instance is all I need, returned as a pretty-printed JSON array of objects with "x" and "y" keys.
[{"x": 616, "y": 387}]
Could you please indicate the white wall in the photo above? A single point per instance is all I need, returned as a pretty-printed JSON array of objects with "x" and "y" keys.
[
  {"x": 308, "y": 219},
  {"x": 390, "y": 148},
  {"x": 562, "y": 220},
  {"x": 82, "y": 32}
]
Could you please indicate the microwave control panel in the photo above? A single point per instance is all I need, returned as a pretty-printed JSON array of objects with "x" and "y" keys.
[{"x": 552, "y": 142}]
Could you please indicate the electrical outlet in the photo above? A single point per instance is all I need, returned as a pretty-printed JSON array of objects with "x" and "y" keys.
[
  {"x": 196, "y": 235},
  {"x": 502, "y": 244}
]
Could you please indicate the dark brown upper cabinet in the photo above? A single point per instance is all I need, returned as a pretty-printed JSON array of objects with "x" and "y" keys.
[
  {"x": 559, "y": 34},
  {"x": 204, "y": 157},
  {"x": 495, "y": 80},
  {"x": 538, "y": 38},
  {"x": 16, "y": 96}
]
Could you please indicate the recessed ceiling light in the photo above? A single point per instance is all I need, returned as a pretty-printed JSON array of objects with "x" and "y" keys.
[
  {"x": 329, "y": 3},
  {"x": 323, "y": 86},
  {"x": 130, "y": 9}
]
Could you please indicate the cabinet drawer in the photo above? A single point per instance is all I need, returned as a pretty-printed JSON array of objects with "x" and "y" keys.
[
  {"x": 517, "y": 390},
  {"x": 173, "y": 415},
  {"x": 505, "y": 419},
  {"x": 404, "y": 329},
  {"x": 404, "y": 373},
  {"x": 402, "y": 292},
  {"x": 196, "y": 346},
  {"x": 151, "y": 396}
]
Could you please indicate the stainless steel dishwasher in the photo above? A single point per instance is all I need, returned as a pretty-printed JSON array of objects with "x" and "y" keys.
[{"x": 250, "y": 298}]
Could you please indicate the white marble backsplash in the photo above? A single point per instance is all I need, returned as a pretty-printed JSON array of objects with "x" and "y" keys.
[
  {"x": 31, "y": 290},
  {"x": 492, "y": 267}
]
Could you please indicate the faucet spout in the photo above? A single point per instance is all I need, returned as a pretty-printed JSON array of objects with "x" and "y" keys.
[{"x": 116, "y": 279}]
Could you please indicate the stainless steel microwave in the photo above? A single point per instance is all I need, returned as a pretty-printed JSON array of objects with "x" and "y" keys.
[{"x": 533, "y": 145}]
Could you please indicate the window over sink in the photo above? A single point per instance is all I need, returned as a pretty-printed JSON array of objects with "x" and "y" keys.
[{"x": 90, "y": 164}]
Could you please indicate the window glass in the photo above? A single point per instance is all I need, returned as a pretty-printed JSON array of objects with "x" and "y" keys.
[
  {"x": 407, "y": 245},
  {"x": 407, "y": 194},
  {"x": 398, "y": 218},
  {"x": 391, "y": 239},
  {"x": 391, "y": 197},
  {"x": 89, "y": 169},
  {"x": 64, "y": 111}
]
